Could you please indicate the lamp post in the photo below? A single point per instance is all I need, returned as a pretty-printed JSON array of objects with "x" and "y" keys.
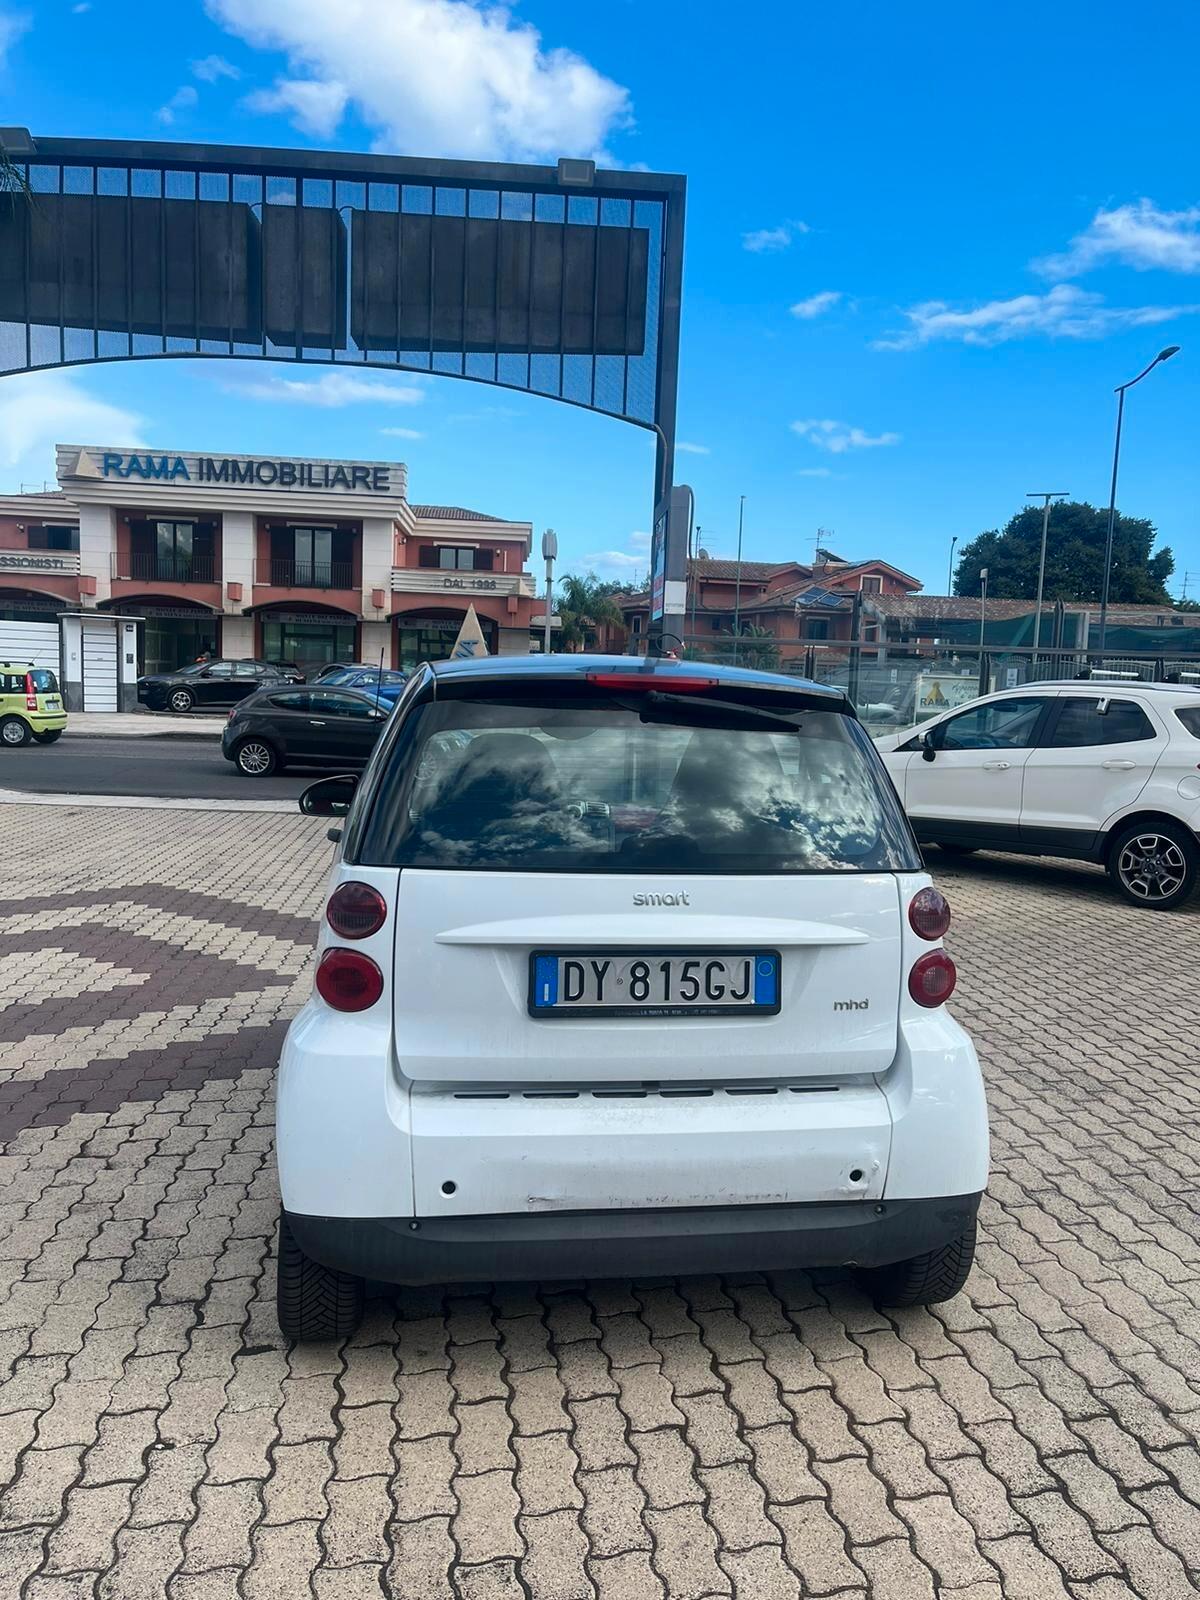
[
  {"x": 983, "y": 578},
  {"x": 950, "y": 573},
  {"x": 1046, "y": 498},
  {"x": 1163, "y": 355},
  {"x": 737, "y": 583}
]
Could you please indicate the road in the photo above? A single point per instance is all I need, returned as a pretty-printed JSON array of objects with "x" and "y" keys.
[{"x": 191, "y": 769}]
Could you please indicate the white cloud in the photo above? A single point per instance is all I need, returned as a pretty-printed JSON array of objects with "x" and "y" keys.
[
  {"x": 40, "y": 409},
  {"x": 838, "y": 437},
  {"x": 762, "y": 240},
  {"x": 817, "y": 304},
  {"x": 1064, "y": 312},
  {"x": 210, "y": 68},
  {"x": 315, "y": 107},
  {"x": 330, "y": 391},
  {"x": 814, "y": 472},
  {"x": 12, "y": 25},
  {"x": 182, "y": 100},
  {"x": 687, "y": 449},
  {"x": 403, "y": 433},
  {"x": 1139, "y": 236},
  {"x": 626, "y": 563},
  {"x": 434, "y": 77},
  {"x": 84, "y": 5}
]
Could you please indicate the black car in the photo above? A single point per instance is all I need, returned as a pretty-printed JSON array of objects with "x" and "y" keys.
[
  {"x": 303, "y": 727},
  {"x": 209, "y": 683}
]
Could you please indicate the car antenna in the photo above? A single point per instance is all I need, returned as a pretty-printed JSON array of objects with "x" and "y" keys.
[{"x": 379, "y": 685}]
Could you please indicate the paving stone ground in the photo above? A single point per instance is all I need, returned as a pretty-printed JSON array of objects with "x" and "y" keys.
[{"x": 764, "y": 1438}]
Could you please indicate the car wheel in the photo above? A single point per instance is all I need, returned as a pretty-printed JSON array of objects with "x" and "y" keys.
[
  {"x": 313, "y": 1301},
  {"x": 181, "y": 700},
  {"x": 923, "y": 1280},
  {"x": 14, "y": 731},
  {"x": 1154, "y": 865},
  {"x": 49, "y": 736},
  {"x": 957, "y": 849},
  {"x": 255, "y": 758}
]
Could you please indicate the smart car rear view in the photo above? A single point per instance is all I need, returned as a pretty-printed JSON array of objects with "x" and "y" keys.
[{"x": 624, "y": 970}]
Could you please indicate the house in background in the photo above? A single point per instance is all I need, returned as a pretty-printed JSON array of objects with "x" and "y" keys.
[{"x": 796, "y": 602}]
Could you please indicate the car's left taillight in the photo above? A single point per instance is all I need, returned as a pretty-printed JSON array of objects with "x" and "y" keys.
[
  {"x": 30, "y": 693},
  {"x": 932, "y": 978},
  {"x": 348, "y": 980}
]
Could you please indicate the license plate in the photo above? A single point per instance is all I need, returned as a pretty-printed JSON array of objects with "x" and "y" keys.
[
  {"x": 52, "y": 702},
  {"x": 652, "y": 983}
]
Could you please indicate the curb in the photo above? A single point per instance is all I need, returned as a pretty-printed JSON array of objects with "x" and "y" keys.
[{"x": 123, "y": 802}]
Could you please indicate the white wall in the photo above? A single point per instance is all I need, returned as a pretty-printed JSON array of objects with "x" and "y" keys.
[
  {"x": 97, "y": 545},
  {"x": 237, "y": 637},
  {"x": 237, "y": 557},
  {"x": 376, "y": 637}
]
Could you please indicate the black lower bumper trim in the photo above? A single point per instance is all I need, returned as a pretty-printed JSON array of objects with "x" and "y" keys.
[{"x": 600, "y": 1244}]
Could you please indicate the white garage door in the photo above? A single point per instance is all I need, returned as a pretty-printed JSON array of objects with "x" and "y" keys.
[
  {"x": 99, "y": 666},
  {"x": 35, "y": 643}
]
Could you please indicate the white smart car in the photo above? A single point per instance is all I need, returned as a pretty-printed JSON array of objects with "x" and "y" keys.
[
  {"x": 624, "y": 969},
  {"x": 1093, "y": 770}
]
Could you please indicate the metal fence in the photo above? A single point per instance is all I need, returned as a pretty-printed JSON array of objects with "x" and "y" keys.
[{"x": 895, "y": 686}]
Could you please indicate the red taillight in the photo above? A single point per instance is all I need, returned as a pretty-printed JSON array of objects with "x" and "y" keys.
[
  {"x": 347, "y": 980},
  {"x": 932, "y": 979},
  {"x": 645, "y": 682},
  {"x": 929, "y": 914},
  {"x": 356, "y": 911},
  {"x": 30, "y": 693}
]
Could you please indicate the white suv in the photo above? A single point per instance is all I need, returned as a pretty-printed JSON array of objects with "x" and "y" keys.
[
  {"x": 1106, "y": 772},
  {"x": 624, "y": 969}
]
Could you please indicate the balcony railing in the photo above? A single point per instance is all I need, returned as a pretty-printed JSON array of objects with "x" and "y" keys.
[
  {"x": 285, "y": 573},
  {"x": 200, "y": 567}
]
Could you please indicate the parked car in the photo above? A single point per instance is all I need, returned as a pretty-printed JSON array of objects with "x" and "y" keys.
[
  {"x": 365, "y": 678},
  {"x": 1094, "y": 771},
  {"x": 31, "y": 705},
  {"x": 623, "y": 970},
  {"x": 309, "y": 726},
  {"x": 208, "y": 683},
  {"x": 333, "y": 669}
]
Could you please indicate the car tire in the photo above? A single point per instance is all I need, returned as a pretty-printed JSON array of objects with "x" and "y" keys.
[
  {"x": 49, "y": 736},
  {"x": 923, "y": 1280},
  {"x": 14, "y": 732},
  {"x": 957, "y": 849},
  {"x": 1154, "y": 865},
  {"x": 254, "y": 758},
  {"x": 180, "y": 701},
  {"x": 313, "y": 1301}
]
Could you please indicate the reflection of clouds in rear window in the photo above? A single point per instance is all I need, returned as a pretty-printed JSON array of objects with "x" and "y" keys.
[{"x": 579, "y": 787}]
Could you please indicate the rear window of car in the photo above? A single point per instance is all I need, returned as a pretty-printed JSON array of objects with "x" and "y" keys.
[
  {"x": 1190, "y": 717},
  {"x": 44, "y": 681},
  {"x": 593, "y": 783}
]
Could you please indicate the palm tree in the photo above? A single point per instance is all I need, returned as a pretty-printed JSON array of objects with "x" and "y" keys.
[
  {"x": 756, "y": 647},
  {"x": 586, "y": 604}
]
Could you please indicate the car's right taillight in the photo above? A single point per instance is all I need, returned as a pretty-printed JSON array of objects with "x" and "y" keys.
[
  {"x": 356, "y": 910},
  {"x": 347, "y": 980},
  {"x": 932, "y": 979}
]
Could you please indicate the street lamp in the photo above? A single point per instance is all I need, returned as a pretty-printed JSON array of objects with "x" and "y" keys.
[
  {"x": 737, "y": 588},
  {"x": 983, "y": 578},
  {"x": 950, "y": 574},
  {"x": 1163, "y": 355},
  {"x": 1041, "y": 494}
]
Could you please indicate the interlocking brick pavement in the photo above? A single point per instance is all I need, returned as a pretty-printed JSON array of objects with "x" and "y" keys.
[{"x": 753, "y": 1437}]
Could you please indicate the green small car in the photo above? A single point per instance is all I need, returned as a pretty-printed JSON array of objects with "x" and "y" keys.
[{"x": 31, "y": 705}]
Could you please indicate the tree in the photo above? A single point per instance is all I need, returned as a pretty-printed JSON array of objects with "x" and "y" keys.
[
  {"x": 756, "y": 647},
  {"x": 1074, "y": 558},
  {"x": 586, "y": 604}
]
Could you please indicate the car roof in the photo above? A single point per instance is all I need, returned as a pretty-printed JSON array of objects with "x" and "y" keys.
[
  {"x": 533, "y": 668},
  {"x": 1100, "y": 682}
]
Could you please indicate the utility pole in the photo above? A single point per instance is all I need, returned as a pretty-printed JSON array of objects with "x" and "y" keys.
[
  {"x": 950, "y": 574},
  {"x": 983, "y": 580},
  {"x": 694, "y": 581},
  {"x": 550, "y": 553},
  {"x": 737, "y": 584},
  {"x": 1046, "y": 498}
]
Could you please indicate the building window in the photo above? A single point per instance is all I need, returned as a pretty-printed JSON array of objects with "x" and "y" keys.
[
  {"x": 51, "y": 538},
  {"x": 312, "y": 558},
  {"x": 636, "y": 625},
  {"x": 172, "y": 552},
  {"x": 816, "y": 628},
  {"x": 456, "y": 558},
  {"x": 871, "y": 584}
]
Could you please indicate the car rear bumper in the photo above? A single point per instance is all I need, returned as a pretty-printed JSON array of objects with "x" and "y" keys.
[
  {"x": 571, "y": 1244},
  {"x": 46, "y": 721}
]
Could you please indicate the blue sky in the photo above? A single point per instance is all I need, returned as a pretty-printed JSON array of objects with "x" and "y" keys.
[{"x": 924, "y": 243}]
